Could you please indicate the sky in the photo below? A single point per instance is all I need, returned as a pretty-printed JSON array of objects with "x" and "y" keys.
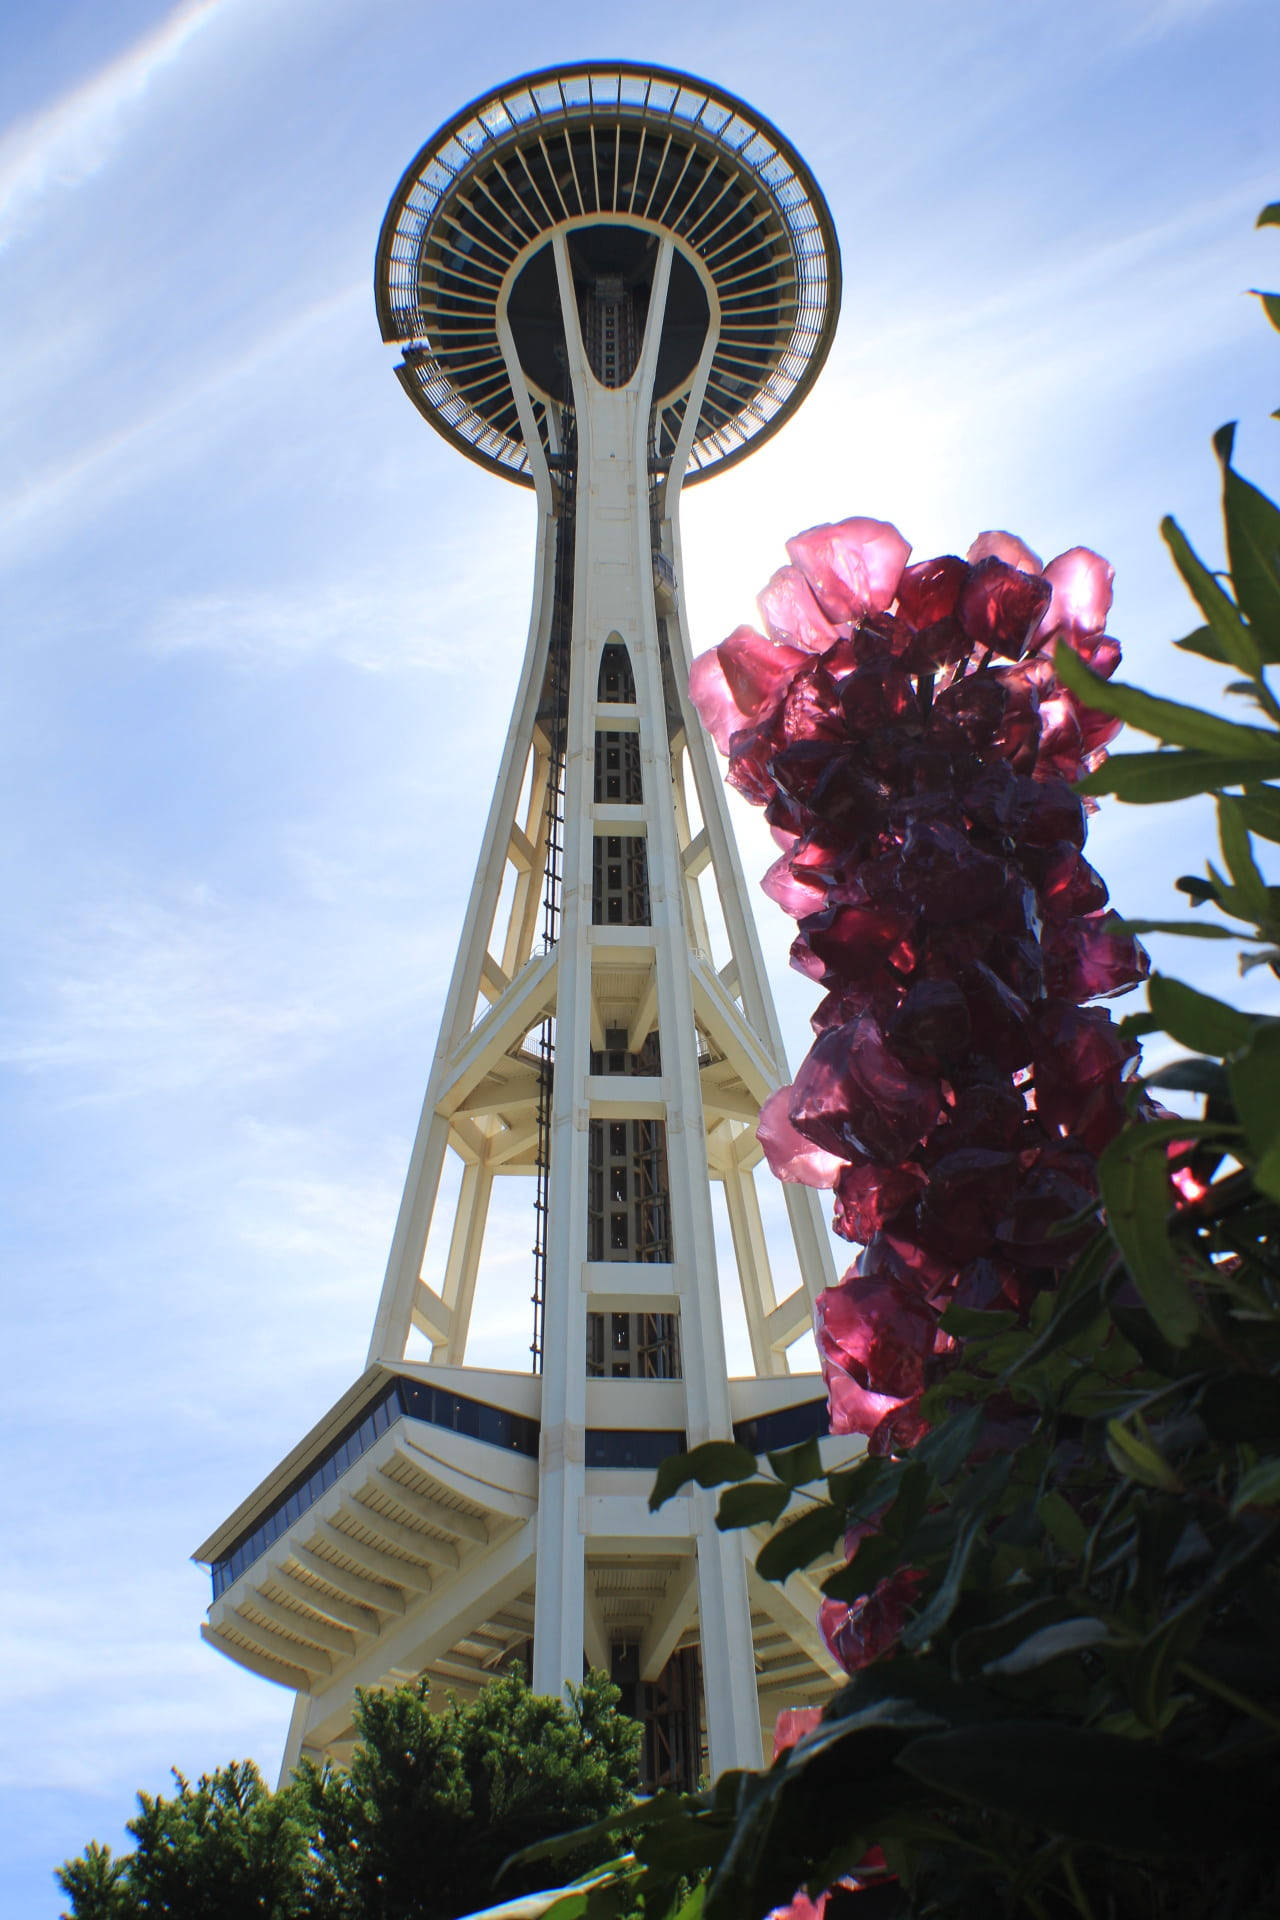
[{"x": 261, "y": 628}]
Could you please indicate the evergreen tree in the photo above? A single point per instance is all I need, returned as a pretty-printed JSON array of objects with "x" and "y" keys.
[
  {"x": 415, "y": 1829},
  {"x": 226, "y": 1846},
  {"x": 433, "y": 1803}
]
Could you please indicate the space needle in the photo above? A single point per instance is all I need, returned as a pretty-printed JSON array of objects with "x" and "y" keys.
[{"x": 606, "y": 281}]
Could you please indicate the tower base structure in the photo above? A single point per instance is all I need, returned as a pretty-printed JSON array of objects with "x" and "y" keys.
[{"x": 603, "y": 280}]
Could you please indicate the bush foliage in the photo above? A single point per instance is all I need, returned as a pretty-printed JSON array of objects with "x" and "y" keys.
[
  {"x": 1081, "y": 1713},
  {"x": 416, "y": 1828}
]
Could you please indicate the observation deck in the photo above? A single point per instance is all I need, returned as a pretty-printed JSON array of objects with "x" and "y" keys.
[{"x": 617, "y": 155}]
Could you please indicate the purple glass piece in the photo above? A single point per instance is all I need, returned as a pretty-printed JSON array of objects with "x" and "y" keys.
[
  {"x": 1087, "y": 959},
  {"x": 1000, "y": 606},
  {"x": 868, "y": 1196},
  {"x": 928, "y": 591},
  {"x": 852, "y": 1094}
]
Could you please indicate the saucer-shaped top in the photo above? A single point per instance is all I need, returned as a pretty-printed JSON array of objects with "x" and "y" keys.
[{"x": 587, "y": 149}]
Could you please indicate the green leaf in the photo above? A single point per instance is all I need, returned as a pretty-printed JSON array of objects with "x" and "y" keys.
[
  {"x": 1154, "y": 1667},
  {"x": 1195, "y": 929},
  {"x": 1062, "y": 1523},
  {"x": 1253, "y": 548},
  {"x": 1133, "y": 1179},
  {"x": 943, "y": 1602},
  {"x": 1050, "y": 1643},
  {"x": 1270, "y": 216},
  {"x": 1250, "y": 887},
  {"x": 1192, "y": 1076},
  {"x": 972, "y": 1323},
  {"x": 1168, "y": 720},
  {"x": 812, "y": 1535},
  {"x": 1136, "y": 1456},
  {"x": 1270, "y": 305},
  {"x": 858, "y": 1490},
  {"x": 1196, "y": 1019},
  {"x": 1255, "y": 1091},
  {"x": 1260, "y": 810},
  {"x": 710, "y": 1465},
  {"x": 945, "y": 1450},
  {"x": 1149, "y": 779},
  {"x": 1239, "y": 645},
  {"x": 1204, "y": 642},
  {"x": 1260, "y": 1487},
  {"x": 755, "y": 1503},
  {"x": 795, "y": 1465}
]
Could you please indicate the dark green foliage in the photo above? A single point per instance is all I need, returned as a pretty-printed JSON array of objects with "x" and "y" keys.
[
  {"x": 433, "y": 1803},
  {"x": 416, "y": 1829},
  {"x": 1082, "y": 1713},
  {"x": 226, "y": 1846}
]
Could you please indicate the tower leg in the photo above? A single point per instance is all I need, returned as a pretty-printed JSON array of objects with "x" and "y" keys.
[{"x": 728, "y": 1672}]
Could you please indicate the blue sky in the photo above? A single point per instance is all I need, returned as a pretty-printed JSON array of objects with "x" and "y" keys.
[{"x": 261, "y": 629}]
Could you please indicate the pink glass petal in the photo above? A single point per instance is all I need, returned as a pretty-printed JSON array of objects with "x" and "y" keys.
[
  {"x": 852, "y": 1408},
  {"x": 791, "y": 614},
  {"x": 853, "y": 566},
  {"x": 1006, "y": 547},
  {"x": 757, "y": 671},
  {"x": 793, "y": 894},
  {"x": 709, "y": 691},
  {"x": 1081, "y": 581},
  {"x": 791, "y": 1725},
  {"x": 790, "y": 1155}
]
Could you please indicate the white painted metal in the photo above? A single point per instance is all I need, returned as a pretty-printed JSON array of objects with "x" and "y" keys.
[{"x": 386, "y": 1573}]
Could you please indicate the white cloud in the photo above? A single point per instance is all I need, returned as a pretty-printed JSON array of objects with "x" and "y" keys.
[
  {"x": 64, "y": 144},
  {"x": 137, "y": 455}
]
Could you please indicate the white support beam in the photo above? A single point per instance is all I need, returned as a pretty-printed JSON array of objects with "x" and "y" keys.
[
  {"x": 645, "y": 1014},
  {"x": 493, "y": 981},
  {"x": 670, "y": 1619},
  {"x": 283, "y": 1672},
  {"x": 275, "y": 1645},
  {"x": 793, "y": 1608},
  {"x": 521, "y": 851},
  {"x": 462, "y": 1267},
  {"x": 436, "y": 1553},
  {"x": 697, "y": 854},
  {"x": 430, "y": 1314},
  {"x": 788, "y": 1320},
  {"x": 340, "y": 1612},
  {"x": 595, "y": 1641},
  {"x": 319, "y": 1632},
  {"x": 381, "y": 1566},
  {"x": 433, "y": 1513},
  {"x": 368, "y": 1593},
  {"x": 752, "y": 1254},
  {"x": 491, "y": 1581}
]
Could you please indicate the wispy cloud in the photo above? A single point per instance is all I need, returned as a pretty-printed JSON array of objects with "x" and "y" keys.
[
  {"x": 135, "y": 454},
  {"x": 68, "y": 142},
  {"x": 375, "y": 625}
]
